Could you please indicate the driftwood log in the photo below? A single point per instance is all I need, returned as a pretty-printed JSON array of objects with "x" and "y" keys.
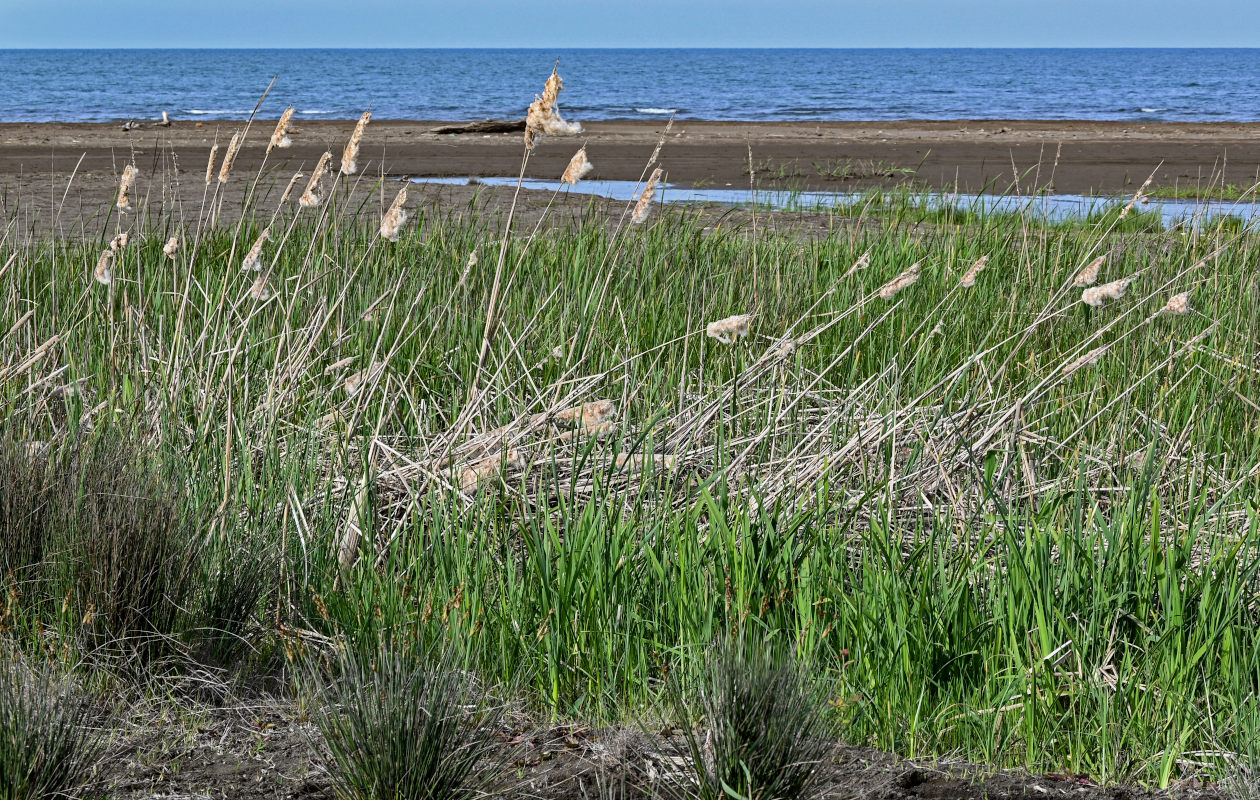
[{"x": 486, "y": 126}]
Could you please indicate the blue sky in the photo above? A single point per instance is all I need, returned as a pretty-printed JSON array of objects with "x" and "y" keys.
[{"x": 630, "y": 23}]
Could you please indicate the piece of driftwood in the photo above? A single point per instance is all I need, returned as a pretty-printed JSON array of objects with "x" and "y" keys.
[{"x": 486, "y": 126}]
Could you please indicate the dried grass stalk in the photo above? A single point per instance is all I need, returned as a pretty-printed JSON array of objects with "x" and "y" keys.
[
  {"x": 903, "y": 281},
  {"x": 392, "y": 222},
  {"x": 1088, "y": 275},
  {"x": 1097, "y": 295},
  {"x": 644, "y": 206},
  {"x": 729, "y": 329},
  {"x": 280, "y": 137},
  {"x": 229, "y": 157},
  {"x": 350, "y": 157},
  {"x": 310, "y": 198},
  {"x": 969, "y": 279},
  {"x": 352, "y": 534},
  {"x": 579, "y": 167},
  {"x": 125, "y": 185},
  {"x": 252, "y": 262}
]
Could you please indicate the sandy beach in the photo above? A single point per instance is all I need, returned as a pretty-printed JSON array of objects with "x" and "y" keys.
[{"x": 64, "y": 169}]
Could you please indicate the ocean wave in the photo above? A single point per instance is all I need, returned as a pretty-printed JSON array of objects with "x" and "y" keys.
[
  {"x": 315, "y": 111},
  {"x": 214, "y": 111},
  {"x": 1151, "y": 110},
  {"x": 656, "y": 110}
]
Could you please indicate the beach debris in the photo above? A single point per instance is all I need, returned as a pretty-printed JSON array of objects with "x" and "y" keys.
[
  {"x": 251, "y": 262},
  {"x": 350, "y": 157},
  {"x": 903, "y": 281},
  {"x": 229, "y": 157},
  {"x": 280, "y": 136},
  {"x": 171, "y": 247},
  {"x": 579, "y": 167},
  {"x": 1097, "y": 295},
  {"x": 166, "y": 120},
  {"x": 1089, "y": 274},
  {"x": 125, "y": 185},
  {"x": 104, "y": 272},
  {"x": 310, "y": 198},
  {"x": 1177, "y": 306},
  {"x": 969, "y": 279},
  {"x": 644, "y": 206},
  {"x": 214, "y": 152},
  {"x": 392, "y": 222},
  {"x": 544, "y": 113},
  {"x": 484, "y": 126},
  {"x": 729, "y": 329}
]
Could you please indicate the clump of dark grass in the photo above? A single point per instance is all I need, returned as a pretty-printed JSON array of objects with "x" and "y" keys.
[
  {"x": 755, "y": 728},
  {"x": 47, "y": 747},
  {"x": 397, "y": 724}
]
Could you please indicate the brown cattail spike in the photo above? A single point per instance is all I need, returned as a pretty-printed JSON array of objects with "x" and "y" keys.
[
  {"x": 728, "y": 330},
  {"x": 125, "y": 186},
  {"x": 393, "y": 220},
  {"x": 229, "y": 157},
  {"x": 903, "y": 281},
  {"x": 251, "y": 262},
  {"x": 104, "y": 272},
  {"x": 644, "y": 206},
  {"x": 310, "y": 198},
  {"x": 171, "y": 247},
  {"x": 214, "y": 152},
  {"x": 1088, "y": 275},
  {"x": 969, "y": 279},
  {"x": 350, "y": 158},
  {"x": 579, "y": 167},
  {"x": 280, "y": 137},
  {"x": 1097, "y": 295}
]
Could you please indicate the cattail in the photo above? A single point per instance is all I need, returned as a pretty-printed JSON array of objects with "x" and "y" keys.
[
  {"x": 782, "y": 349},
  {"x": 1096, "y": 295},
  {"x": 171, "y": 247},
  {"x": 644, "y": 205},
  {"x": 1177, "y": 306},
  {"x": 310, "y": 198},
  {"x": 251, "y": 262},
  {"x": 729, "y": 329},
  {"x": 598, "y": 431},
  {"x": 297, "y": 176},
  {"x": 280, "y": 137},
  {"x": 489, "y": 468},
  {"x": 214, "y": 152},
  {"x": 119, "y": 242},
  {"x": 587, "y": 415},
  {"x": 903, "y": 281},
  {"x": 637, "y": 462},
  {"x": 969, "y": 279},
  {"x": 863, "y": 262},
  {"x": 338, "y": 365},
  {"x": 579, "y": 167},
  {"x": 104, "y": 272},
  {"x": 259, "y": 290},
  {"x": 125, "y": 185},
  {"x": 1089, "y": 358},
  {"x": 364, "y": 376},
  {"x": 350, "y": 158},
  {"x": 348, "y": 547},
  {"x": 468, "y": 268},
  {"x": 1087, "y": 276},
  {"x": 393, "y": 220},
  {"x": 544, "y": 113},
  {"x": 229, "y": 157},
  {"x": 1137, "y": 198}
]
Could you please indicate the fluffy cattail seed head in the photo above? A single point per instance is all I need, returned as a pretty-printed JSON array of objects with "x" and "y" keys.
[
  {"x": 104, "y": 272},
  {"x": 229, "y": 157},
  {"x": 1089, "y": 358},
  {"x": 259, "y": 290},
  {"x": 544, "y": 113},
  {"x": 125, "y": 186},
  {"x": 171, "y": 247},
  {"x": 214, "y": 152},
  {"x": 288, "y": 192},
  {"x": 393, "y": 221},
  {"x": 969, "y": 279},
  {"x": 903, "y": 281},
  {"x": 1177, "y": 306},
  {"x": 280, "y": 137},
  {"x": 251, "y": 262},
  {"x": 355, "y": 383},
  {"x": 1089, "y": 274},
  {"x": 119, "y": 242},
  {"x": 728, "y": 330},
  {"x": 350, "y": 158},
  {"x": 644, "y": 206},
  {"x": 1097, "y": 295},
  {"x": 579, "y": 167},
  {"x": 310, "y": 198}
]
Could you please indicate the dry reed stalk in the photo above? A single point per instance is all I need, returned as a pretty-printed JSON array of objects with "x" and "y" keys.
[
  {"x": 729, "y": 329},
  {"x": 259, "y": 290},
  {"x": 280, "y": 137},
  {"x": 251, "y": 262},
  {"x": 171, "y": 247},
  {"x": 297, "y": 176},
  {"x": 1097, "y": 295},
  {"x": 969, "y": 279},
  {"x": 1089, "y": 274},
  {"x": 656, "y": 151},
  {"x": 579, "y": 167},
  {"x": 310, "y": 198},
  {"x": 119, "y": 242},
  {"x": 903, "y": 281},
  {"x": 229, "y": 158},
  {"x": 1137, "y": 198},
  {"x": 393, "y": 220},
  {"x": 1177, "y": 306},
  {"x": 644, "y": 206},
  {"x": 352, "y": 535},
  {"x": 125, "y": 185},
  {"x": 1089, "y": 358},
  {"x": 104, "y": 272},
  {"x": 350, "y": 157},
  {"x": 214, "y": 152}
]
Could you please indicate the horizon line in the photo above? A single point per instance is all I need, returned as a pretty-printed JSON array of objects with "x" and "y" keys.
[{"x": 671, "y": 47}]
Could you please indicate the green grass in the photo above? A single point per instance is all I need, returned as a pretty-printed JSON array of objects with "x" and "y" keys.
[{"x": 981, "y": 552}]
